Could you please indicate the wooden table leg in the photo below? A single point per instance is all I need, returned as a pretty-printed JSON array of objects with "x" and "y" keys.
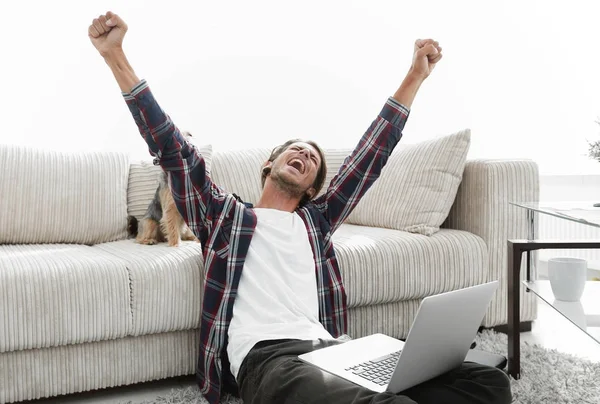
[{"x": 515, "y": 255}]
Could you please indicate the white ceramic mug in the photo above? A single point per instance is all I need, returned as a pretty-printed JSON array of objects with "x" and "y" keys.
[{"x": 567, "y": 278}]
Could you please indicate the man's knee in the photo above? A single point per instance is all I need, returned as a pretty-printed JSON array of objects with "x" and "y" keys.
[
  {"x": 492, "y": 379},
  {"x": 497, "y": 377},
  {"x": 503, "y": 382}
]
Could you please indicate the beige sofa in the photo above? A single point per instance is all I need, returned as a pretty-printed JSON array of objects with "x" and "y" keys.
[{"x": 82, "y": 307}]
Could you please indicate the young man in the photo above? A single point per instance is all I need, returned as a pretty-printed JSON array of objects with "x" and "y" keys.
[{"x": 273, "y": 288}]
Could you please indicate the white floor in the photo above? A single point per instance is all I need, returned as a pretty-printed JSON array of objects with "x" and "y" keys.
[{"x": 551, "y": 330}]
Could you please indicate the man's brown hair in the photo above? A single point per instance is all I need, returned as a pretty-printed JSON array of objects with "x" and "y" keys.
[{"x": 321, "y": 173}]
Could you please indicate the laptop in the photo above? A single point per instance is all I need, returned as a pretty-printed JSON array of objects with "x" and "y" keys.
[{"x": 438, "y": 341}]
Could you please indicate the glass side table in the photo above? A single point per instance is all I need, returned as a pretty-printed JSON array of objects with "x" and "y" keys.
[{"x": 589, "y": 305}]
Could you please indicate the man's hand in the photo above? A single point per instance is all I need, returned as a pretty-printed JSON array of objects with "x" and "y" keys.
[
  {"x": 107, "y": 32},
  {"x": 426, "y": 55}
]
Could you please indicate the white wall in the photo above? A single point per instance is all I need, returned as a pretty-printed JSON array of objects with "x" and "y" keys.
[{"x": 522, "y": 74}]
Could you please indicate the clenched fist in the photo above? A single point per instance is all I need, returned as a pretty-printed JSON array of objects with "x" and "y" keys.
[
  {"x": 427, "y": 53},
  {"x": 107, "y": 33}
]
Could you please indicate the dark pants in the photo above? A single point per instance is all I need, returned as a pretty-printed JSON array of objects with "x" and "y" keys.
[{"x": 272, "y": 373}]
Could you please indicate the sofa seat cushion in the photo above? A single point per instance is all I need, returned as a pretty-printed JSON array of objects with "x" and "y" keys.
[
  {"x": 166, "y": 284},
  {"x": 57, "y": 294},
  {"x": 384, "y": 265}
]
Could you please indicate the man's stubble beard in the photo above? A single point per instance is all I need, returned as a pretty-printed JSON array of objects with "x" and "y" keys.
[{"x": 287, "y": 185}]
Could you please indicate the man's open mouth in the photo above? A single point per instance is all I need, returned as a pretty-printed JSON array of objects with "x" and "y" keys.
[{"x": 297, "y": 164}]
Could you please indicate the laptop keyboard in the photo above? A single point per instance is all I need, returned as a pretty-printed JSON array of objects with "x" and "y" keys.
[{"x": 378, "y": 370}]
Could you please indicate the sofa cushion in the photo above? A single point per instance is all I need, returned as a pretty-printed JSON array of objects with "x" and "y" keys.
[
  {"x": 57, "y": 294},
  {"x": 417, "y": 186},
  {"x": 334, "y": 159},
  {"x": 239, "y": 172},
  {"x": 166, "y": 284},
  {"x": 143, "y": 181},
  {"x": 384, "y": 265},
  {"x": 56, "y": 197}
]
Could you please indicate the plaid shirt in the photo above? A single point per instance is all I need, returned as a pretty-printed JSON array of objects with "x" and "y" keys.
[{"x": 225, "y": 225}]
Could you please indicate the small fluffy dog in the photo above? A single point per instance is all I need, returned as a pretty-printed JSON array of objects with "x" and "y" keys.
[{"x": 162, "y": 221}]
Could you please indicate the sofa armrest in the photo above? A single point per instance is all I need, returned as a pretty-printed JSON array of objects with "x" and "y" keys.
[{"x": 482, "y": 207}]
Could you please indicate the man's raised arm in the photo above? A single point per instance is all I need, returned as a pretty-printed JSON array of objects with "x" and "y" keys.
[
  {"x": 193, "y": 191},
  {"x": 363, "y": 166}
]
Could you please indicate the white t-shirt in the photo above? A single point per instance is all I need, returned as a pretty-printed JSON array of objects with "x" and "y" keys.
[{"x": 277, "y": 293}]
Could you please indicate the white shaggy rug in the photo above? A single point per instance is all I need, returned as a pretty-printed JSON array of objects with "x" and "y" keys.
[{"x": 547, "y": 377}]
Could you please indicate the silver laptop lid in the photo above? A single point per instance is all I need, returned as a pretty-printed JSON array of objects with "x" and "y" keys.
[{"x": 441, "y": 334}]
